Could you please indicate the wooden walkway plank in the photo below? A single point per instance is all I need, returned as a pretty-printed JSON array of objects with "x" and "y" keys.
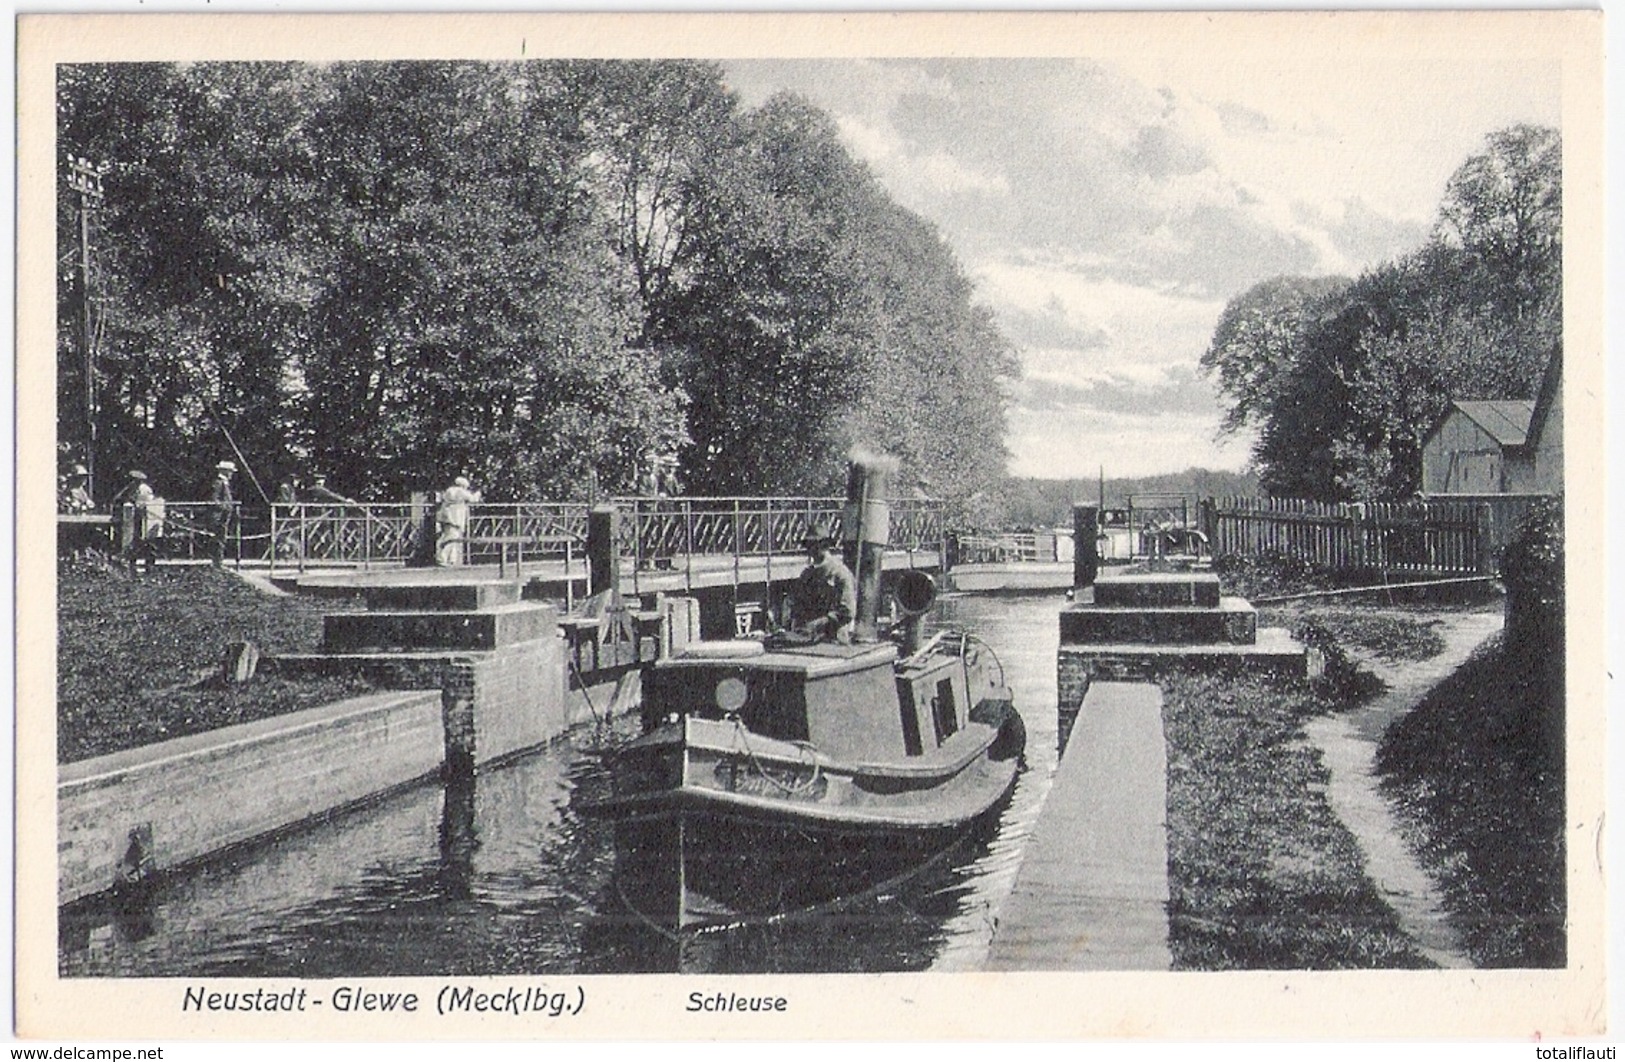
[{"x": 1092, "y": 892}]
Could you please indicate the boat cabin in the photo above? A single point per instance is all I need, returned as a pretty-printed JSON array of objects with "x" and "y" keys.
[{"x": 852, "y": 702}]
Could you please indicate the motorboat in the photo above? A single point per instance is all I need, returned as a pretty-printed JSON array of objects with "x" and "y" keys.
[{"x": 780, "y": 774}]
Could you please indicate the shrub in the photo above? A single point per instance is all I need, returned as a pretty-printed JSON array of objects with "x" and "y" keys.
[{"x": 1532, "y": 569}]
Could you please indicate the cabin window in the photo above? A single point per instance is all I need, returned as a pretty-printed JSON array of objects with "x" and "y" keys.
[
  {"x": 944, "y": 711},
  {"x": 912, "y": 745}
]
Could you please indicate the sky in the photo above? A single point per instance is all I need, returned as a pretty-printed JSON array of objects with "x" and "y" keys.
[{"x": 1107, "y": 209}]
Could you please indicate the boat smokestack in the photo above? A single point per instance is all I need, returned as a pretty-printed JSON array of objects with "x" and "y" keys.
[
  {"x": 865, "y": 531},
  {"x": 916, "y": 592}
]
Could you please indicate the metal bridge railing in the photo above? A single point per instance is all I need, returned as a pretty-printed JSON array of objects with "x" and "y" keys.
[
  {"x": 654, "y": 533},
  {"x": 670, "y": 533}
]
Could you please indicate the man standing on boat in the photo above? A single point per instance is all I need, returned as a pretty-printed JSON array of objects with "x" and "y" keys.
[{"x": 825, "y": 597}]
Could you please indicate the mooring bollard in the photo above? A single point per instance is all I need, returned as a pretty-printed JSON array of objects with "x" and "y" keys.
[{"x": 603, "y": 561}]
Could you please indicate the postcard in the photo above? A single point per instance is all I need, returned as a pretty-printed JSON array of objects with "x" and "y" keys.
[{"x": 745, "y": 526}]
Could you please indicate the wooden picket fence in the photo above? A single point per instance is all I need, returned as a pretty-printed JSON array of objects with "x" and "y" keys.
[{"x": 1433, "y": 537}]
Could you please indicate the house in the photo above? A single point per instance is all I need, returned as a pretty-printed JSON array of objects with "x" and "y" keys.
[
  {"x": 1480, "y": 448},
  {"x": 1512, "y": 446}
]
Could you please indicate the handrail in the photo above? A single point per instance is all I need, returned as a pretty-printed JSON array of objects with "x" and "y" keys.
[{"x": 653, "y": 530}]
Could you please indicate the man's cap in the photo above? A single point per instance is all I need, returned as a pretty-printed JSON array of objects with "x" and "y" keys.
[
  {"x": 137, "y": 474},
  {"x": 226, "y": 466},
  {"x": 79, "y": 470},
  {"x": 460, "y": 481}
]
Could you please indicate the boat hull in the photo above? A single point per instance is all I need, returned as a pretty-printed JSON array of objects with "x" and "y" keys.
[
  {"x": 699, "y": 853},
  {"x": 688, "y": 868}
]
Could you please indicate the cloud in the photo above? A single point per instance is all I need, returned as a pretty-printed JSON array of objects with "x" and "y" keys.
[
  {"x": 1122, "y": 322},
  {"x": 1178, "y": 390},
  {"x": 1076, "y": 443},
  {"x": 1048, "y": 326},
  {"x": 1360, "y": 235},
  {"x": 1211, "y": 175},
  {"x": 1162, "y": 152}
]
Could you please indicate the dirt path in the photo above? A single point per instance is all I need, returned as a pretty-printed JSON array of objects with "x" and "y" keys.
[{"x": 1348, "y": 744}]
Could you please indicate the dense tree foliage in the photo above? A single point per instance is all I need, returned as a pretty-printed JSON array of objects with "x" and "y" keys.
[
  {"x": 540, "y": 273},
  {"x": 1343, "y": 379}
]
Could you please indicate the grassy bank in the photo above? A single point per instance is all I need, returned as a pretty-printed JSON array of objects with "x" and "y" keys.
[
  {"x": 1477, "y": 774},
  {"x": 137, "y": 658},
  {"x": 1387, "y": 634},
  {"x": 1262, "y": 873}
]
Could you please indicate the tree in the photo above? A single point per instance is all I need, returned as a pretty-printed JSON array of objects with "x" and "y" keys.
[
  {"x": 1503, "y": 209},
  {"x": 479, "y": 317},
  {"x": 533, "y": 272},
  {"x": 756, "y": 330},
  {"x": 410, "y": 253},
  {"x": 197, "y": 282},
  {"x": 815, "y": 315},
  {"x": 935, "y": 395},
  {"x": 657, "y": 129},
  {"x": 1258, "y": 339}
]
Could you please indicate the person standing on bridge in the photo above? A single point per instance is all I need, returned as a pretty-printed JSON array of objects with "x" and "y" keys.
[
  {"x": 138, "y": 515},
  {"x": 77, "y": 500},
  {"x": 825, "y": 596},
  {"x": 451, "y": 521},
  {"x": 221, "y": 509},
  {"x": 320, "y": 491}
]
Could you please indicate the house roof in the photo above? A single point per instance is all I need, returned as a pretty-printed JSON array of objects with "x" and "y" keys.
[
  {"x": 1504, "y": 420},
  {"x": 1551, "y": 385}
]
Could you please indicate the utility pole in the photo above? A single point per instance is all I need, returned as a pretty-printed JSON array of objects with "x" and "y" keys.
[{"x": 85, "y": 178}]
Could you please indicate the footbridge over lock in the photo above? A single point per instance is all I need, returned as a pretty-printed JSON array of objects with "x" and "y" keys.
[{"x": 736, "y": 556}]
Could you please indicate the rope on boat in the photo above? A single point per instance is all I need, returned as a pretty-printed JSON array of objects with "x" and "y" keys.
[
  {"x": 991, "y": 652},
  {"x": 602, "y": 725},
  {"x": 762, "y": 772},
  {"x": 585, "y": 692}
]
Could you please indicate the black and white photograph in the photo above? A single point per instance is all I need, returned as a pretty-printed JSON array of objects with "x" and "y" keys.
[{"x": 566, "y": 525}]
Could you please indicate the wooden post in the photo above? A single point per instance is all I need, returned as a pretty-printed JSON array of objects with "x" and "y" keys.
[
  {"x": 1085, "y": 554},
  {"x": 639, "y": 524},
  {"x": 603, "y": 561},
  {"x": 1207, "y": 515},
  {"x": 1486, "y": 539}
]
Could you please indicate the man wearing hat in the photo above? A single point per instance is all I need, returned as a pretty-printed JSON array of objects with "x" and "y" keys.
[
  {"x": 825, "y": 596},
  {"x": 78, "y": 500},
  {"x": 221, "y": 508}
]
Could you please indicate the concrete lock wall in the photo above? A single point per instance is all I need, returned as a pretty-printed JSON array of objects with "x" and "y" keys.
[{"x": 126, "y": 815}]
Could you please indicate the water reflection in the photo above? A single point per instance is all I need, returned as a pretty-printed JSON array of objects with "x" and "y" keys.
[{"x": 504, "y": 876}]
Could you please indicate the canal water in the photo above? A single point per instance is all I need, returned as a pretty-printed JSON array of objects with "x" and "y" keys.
[{"x": 507, "y": 877}]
